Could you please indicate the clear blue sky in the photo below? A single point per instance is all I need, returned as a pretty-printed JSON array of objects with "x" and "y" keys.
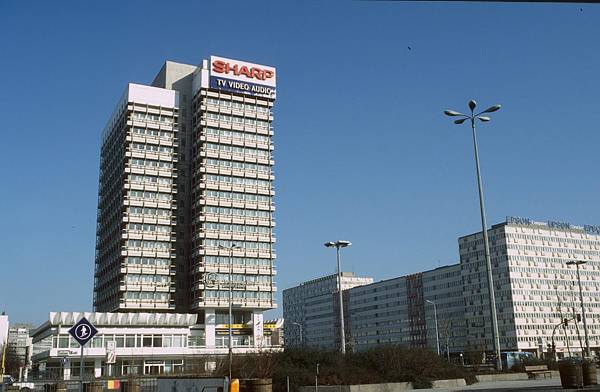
[{"x": 363, "y": 151}]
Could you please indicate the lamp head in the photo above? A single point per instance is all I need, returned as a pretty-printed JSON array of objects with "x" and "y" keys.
[
  {"x": 472, "y": 104},
  {"x": 492, "y": 109},
  {"x": 484, "y": 119},
  {"x": 453, "y": 113},
  {"x": 462, "y": 120}
]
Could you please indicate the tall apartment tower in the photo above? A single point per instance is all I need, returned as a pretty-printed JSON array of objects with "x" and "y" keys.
[{"x": 186, "y": 192}]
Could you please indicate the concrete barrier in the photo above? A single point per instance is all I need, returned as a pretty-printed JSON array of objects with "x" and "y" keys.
[
  {"x": 501, "y": 377},
  {"x": 445, "y": 384},
  {"x": 387, "y": 387}
]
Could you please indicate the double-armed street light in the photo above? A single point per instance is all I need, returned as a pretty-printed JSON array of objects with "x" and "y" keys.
[
  {"x": 461, "y": 119},
  {"x": 337, "y": 245}
]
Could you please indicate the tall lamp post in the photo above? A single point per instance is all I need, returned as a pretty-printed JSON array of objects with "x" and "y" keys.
[
  {"x": 337, "y": 245},
  {"x": 230, "y": 284},
  {"x": 585, "y": 330},
  {"x": 301, "y": 339},
  {"x": 472, "y": 117},
  {"x": 437, "y": 335}
]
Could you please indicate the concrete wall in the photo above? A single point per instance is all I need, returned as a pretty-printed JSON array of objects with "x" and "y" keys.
[{"x": 387, "y": 387}]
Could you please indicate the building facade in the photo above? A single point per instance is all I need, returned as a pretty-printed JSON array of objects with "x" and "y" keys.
[
  {"x": 535, "y": 287},
  {"x": 137, "y": 343},
  {"x": 186, "y": 195},
  {"x": 311, "y": 311},
  {"x": 18, "y": 349},
  {"x": 404, "y": 311}
]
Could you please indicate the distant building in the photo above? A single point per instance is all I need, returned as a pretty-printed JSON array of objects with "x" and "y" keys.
[
  {"x": 397, "y": 311},
  {"x": 19, "y": 348},
  {"x": 534, "y": 287},
  {"x": 138, "y": 343},
  {"x": 313, "y": 308},
  {"x": 3, "y": 330}
]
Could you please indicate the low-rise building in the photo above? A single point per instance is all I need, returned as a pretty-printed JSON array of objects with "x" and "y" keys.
[{"x": 138, "y": 344}]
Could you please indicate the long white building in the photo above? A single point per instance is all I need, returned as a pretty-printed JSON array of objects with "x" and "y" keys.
[
  {"x": 186, "y": 191},
  {"x": 137, "y": 343},
  {"x": 535, "y": 288}
]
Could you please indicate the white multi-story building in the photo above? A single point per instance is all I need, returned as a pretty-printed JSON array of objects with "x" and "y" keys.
[
  {"x": 535, "y": 288},
  {"x": 19, "y": 348},
  {"x": 186, "y": 196},
  {"x": 136, "y": 344},
  {"x": 311, "y": 311},
  {"x": 3, "y": 330}
]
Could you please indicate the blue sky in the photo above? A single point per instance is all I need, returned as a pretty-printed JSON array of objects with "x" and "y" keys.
[{"x": 363, "y": 151}]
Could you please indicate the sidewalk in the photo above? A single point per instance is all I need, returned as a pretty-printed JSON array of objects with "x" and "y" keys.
[{"x": 549, "y": 384}]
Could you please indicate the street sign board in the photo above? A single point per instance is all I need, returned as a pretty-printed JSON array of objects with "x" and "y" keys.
[{"x": 83, "y": 331}]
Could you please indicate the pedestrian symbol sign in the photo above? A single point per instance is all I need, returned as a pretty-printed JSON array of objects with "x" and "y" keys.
[{"x": 83, "y": 331}]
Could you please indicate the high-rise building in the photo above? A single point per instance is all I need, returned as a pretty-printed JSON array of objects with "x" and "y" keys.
[
  {"x": 186, "y": 194},
  {"x": 311, "y": 311}
]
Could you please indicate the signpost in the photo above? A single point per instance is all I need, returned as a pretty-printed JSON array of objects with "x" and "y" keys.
[{"x": 83, "y": 331}]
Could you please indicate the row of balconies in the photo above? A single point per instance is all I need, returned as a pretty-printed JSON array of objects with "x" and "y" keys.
[
  {"x": 233, "y": 204},
  {"x": 209, "y": 107},
  {"x": 236, "y": 142},
  {"x": 154, "y": 270},
  {"x": 250, "y": 303},
  {"x": 141, "y": 235},
  {"x": 218, "y": 186},
  {"x": 128, "y": 218},
  {"x": 201, "y": 234},
  {"x": 201, "y": 217},
  {"x": 246, "y": 253},
  {"x": 128, "y": 251},
  {"x": 237, "y": 269},
  {"x": 248, "y": 173},
  {"x": 155, "y": 155},
  {"x": 141, "y": 186},
  {"x": 159, "y": 125},
  {"x": 228, "y": 187},
  {"x": 149, "y": 203},
  {"x": 234, "y": 156},
  {"x": 156, "y": 287},
  {"x": 218, "y": 202},
  {"x": 168, "y": 173},
  {"x": 236, "y": 126}
]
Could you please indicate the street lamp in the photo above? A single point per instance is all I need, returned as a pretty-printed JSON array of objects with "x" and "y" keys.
[
  {"x": 585, "y": 331},
  {"x": 437, "y": 335},
  {"x": 230, "y": 281},
  {"x": 472, "y": 117},
  {"x": 300, "y": 326},
  {"x": 337, "y": 245}
]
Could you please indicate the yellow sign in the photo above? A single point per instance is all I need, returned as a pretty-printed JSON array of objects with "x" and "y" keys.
[{"x": 234, "y": 385}]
